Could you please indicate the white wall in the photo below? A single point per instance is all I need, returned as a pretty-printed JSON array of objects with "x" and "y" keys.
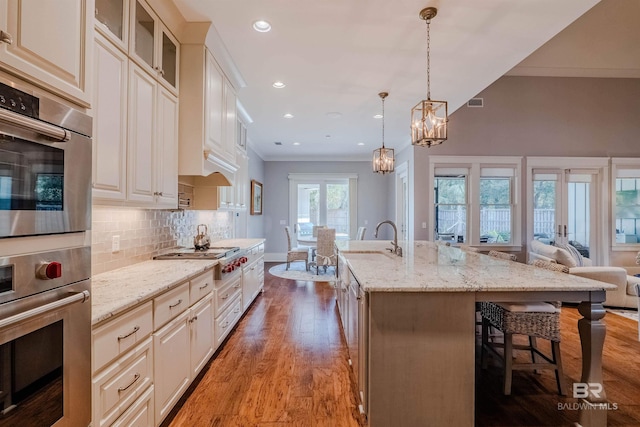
[
  {"x": 373, "y": 197},
  {"x": 541, "y": 116},
  {"x": 255, "y": 223}
]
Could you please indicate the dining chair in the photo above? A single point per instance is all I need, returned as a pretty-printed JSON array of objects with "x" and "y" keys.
[
  {"x": 325, "y": 250},
  {"x": 295, "y": 253},
  {"x": 532, "y": 319},
  {"x": 360, "y": 233}
]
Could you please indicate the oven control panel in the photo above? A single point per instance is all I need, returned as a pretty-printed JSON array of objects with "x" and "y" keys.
[{"x": 19, "y": 101}]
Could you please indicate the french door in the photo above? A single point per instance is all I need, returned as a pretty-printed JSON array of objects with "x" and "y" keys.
[
  {"x": 323, "y": 199},
  {"x": 566, "y": 207}
]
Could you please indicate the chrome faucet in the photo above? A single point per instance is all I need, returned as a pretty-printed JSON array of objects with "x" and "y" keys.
[{"x": 396, "y": 249}]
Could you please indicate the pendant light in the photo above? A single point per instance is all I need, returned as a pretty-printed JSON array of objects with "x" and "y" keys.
[
  {"x": 383, "y": 158},
  {"x": 429, "y": 118}
]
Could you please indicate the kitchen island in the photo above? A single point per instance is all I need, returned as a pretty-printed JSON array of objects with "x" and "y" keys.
[{"x": 419, "y": 337}]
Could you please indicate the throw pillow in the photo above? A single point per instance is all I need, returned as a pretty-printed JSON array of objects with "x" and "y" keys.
[{"x": 574, "y": 255}]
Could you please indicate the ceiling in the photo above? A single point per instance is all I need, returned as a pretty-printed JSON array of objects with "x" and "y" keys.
[{"x": 335, "y": 56}]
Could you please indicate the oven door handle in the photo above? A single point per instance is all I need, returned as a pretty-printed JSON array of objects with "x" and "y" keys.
[
  {"x": 26, "y": 315},
  {"x": 55, "y": 132}
]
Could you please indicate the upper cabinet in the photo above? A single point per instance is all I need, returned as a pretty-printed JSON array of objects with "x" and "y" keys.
[
  {"x": 48, "y": 43},
  {"x": 208, "y": 120},
  {"x": 134, "y": 27},
  {"x": 135, "y": 112},
  {"x": 111, "y": 20},
  {"x": 152, "y": 46}
]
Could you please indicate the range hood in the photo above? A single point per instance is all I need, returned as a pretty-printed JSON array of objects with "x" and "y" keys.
[{"x": 214, "y": 172}]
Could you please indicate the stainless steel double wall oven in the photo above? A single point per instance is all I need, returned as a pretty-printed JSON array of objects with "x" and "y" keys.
[{"x": 45, "y": 315}]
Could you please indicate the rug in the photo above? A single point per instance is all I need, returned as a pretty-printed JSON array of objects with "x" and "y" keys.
[
  {"x": 629, "y": 314},
  {"x": 296, "y": 272}
]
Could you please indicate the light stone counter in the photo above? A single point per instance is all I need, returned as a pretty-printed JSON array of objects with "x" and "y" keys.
[
  {"x": 118, "y": 290},
  {"x": 429, "y": 267}
]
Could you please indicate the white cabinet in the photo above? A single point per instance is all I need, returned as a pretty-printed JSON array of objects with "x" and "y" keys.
[
  {"x": 144, "y": 161},
  {"x": 230, "y": 125},
  {"x": 112, "y": 21},
  {"x": 241, "y": 184},
  {"x": 166, "y": 188},
  {"x": 48, "y": 42},
  {"x": 140, "y": 167},
  {"x": 135, "y": 119},
  {"x": 153, "y": 46},
  {"x": 122, "y": 354},
  {"x": 252, "y": 276},
  {"x": 208, "y": 125},
  {"x": 172, "y": 364},
  {"x": 201, "y": 324},
  {"x": 109, "y": 121}
]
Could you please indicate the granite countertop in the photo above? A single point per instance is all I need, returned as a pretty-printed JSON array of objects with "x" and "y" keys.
[
  {"x": 118, "y": 290},
  {"x": 428, "y": 267}
]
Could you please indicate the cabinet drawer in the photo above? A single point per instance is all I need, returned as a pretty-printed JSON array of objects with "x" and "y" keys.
[
  {"x": 122, "y": 383},
  {"x": 200, "y": 286},
  {"x": 140, "y": 414},
  {"x": 170, "y": 304},
  {"x": 225, "y": 295},
  {"x": 119, "y": 335},
  {"x": 228, "y": 319}
]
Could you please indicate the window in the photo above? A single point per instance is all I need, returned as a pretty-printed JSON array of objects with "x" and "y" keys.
[
  {"x": 474, "y": 200},
  {"x": 450, "y": 195},
  {"x": 496, "y": 189},
  {"x": 626, "y": 209},
  {"x": 323, "y": 199}
]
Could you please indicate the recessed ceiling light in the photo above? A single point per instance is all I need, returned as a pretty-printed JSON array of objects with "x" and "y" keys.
[
  {"x": 278, "y": 85},
  {"x": 288, "y": 116},
  {"x": 296, "y": 143},
  {"x": 327, "y": 136},
  {"x": 278, "y": 143},
  {"x": 334, "y": 115},
  {"x": 360, "y": 143},
  {"x": 262, "y": 26},
  {"x": 377, "y": 116}
]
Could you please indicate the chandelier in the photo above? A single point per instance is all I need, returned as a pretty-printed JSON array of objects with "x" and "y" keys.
[
  {"x": 429, "y": 118},
  {"x": 383, "y": 158}
]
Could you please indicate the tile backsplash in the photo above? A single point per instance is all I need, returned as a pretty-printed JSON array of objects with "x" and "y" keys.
[{"x": 143, "y": 233}]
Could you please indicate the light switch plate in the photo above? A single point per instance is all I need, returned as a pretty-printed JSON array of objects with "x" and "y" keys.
[
  {"x": 424, "y": 225},
  {"x": 283, "y": 222},
  {"x": 115, "y": 243}
]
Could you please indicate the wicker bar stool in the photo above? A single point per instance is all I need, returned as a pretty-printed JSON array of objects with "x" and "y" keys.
[{"x": 536, "y": 320}]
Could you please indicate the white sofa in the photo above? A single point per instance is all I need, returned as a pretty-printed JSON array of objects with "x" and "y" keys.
[{"x": 625, "y": 296}]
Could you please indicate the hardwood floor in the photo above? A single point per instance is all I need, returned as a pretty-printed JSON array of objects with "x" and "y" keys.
[{"x": 286, "y": 365}]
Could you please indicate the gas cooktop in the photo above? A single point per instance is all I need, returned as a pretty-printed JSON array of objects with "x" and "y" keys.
[{"x": 192, "y": 253}]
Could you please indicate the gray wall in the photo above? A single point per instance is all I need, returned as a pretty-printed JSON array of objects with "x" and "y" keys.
[
  {"x": 541, "y": 116},
  {"x": 255, "y": 223},
  {"x": 373, "y": 199}
]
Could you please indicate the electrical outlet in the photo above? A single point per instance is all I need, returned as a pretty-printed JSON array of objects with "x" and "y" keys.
[
  {"x": 283, "y": 222},
  {"x": 366, "y": 222},
  {"x": 115, "y": 243}
]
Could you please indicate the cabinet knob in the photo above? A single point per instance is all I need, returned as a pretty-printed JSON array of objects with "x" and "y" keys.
[{"x": 5, "y": 37}]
